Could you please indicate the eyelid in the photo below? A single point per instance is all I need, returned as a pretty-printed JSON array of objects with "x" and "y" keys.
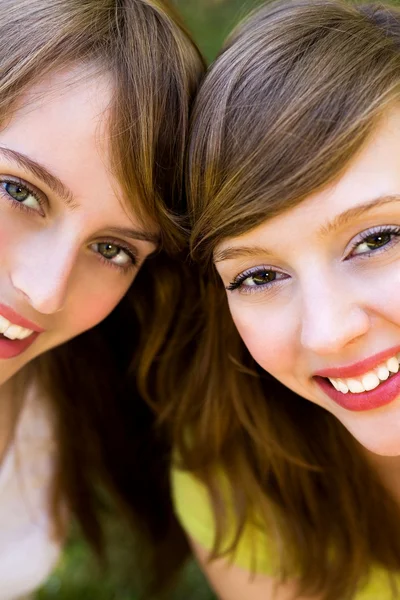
[
  {"x": 32, "y": 189},
  {"x": 237, "y": 281},
  {"x": 361, "y": 237},
  {"x": 130, "y": 250}
]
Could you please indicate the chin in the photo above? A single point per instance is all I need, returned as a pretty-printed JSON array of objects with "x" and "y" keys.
[
  {"x": 385, "y": 449},
  {"x": 382, "y": 444}
]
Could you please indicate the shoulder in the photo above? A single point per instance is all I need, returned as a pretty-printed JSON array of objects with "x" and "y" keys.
[
  {"x": 255, "y": 549},
  {"x": 252, "y": 571}
]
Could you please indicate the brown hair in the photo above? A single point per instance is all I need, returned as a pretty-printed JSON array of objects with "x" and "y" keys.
[
  {"x": 97, "y": 381},
  {"x": 296, "y": 92}
]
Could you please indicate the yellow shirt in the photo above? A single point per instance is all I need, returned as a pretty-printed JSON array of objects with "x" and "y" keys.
[{"x": 193, "y": 509}]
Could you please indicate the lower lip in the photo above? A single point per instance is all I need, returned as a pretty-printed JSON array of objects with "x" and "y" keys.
[
  {"x": 386, "y": 392},
  {"x": 12, "y": 348}
]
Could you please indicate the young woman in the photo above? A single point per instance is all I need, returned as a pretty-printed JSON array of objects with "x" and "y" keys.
[
  {"x": 287, "y": 432},
  {"x": 94, "y": 100}
]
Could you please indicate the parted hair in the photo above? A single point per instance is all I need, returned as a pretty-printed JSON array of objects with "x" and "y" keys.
[
  {"x": 97, "y": 383},
  {"x": 296, "y": 92}
]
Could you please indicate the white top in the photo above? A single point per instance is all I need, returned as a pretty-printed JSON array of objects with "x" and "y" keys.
[{"x": 28, "y": 551}]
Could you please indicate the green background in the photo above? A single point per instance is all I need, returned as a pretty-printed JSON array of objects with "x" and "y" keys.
[{"x": 78, "y": 577}]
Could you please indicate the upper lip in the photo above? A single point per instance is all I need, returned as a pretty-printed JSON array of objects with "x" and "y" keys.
[
  {"x": 17, "y": 319},
  {"x": 359, "y": 368}
]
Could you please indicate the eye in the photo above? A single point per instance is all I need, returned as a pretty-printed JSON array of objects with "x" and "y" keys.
[
  {"x": 260, "y": 278},
  {"x": 373, "y": 241},
  {"x": 115, "y": 254},
  {"x": 21, "y": 194}
]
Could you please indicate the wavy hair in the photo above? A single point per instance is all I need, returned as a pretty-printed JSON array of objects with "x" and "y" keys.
[
  {"x": 296, "y": 92},
  {"x": 98, "y": 382}
]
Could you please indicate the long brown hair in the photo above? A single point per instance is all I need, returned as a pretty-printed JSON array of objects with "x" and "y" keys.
[
  {"x": 296, "y": 92},
  {"x": 96, "y": 382}
]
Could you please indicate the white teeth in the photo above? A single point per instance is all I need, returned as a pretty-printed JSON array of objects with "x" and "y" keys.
[
  {"x": 382, "y": 372},
  {"x": 15, "y": 332},
  {"x": 393, "y": 364},
  {"x": 24, "y": 333},
  {"x": 12, "y": 332},
  {"x": 342, "y": 386},
  {"x": 4, "y": 324},
  {"x": 370, "y": 381},
  {"x": 356, "y": 387},
  {"x": 335, "y": 384}
]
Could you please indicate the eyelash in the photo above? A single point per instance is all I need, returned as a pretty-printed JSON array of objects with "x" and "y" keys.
[
  {"x": 376, "y": 231},
  {"x": 129, "y": 251},
  {"x": 25, "y": 185},
  {"x": 19, "y": 206},
  {"x": 237, "y": 283}
]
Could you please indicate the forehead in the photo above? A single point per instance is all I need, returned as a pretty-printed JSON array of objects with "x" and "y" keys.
[
  {"x": 62, "y": 122},
  {"x": 70, "y": 106},
  {"x": 63, "y": 119},
  {"x": 373, "y": 173}
]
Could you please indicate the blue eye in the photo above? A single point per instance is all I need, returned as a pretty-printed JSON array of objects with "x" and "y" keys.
[
  {"x": 20, "y": 193},
  {"x": 115, "y": 254}
]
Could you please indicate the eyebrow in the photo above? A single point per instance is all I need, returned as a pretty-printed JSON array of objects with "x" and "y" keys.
[
  {"x": 232, "y": 252},
  {"x": 40, "y": 172},
  {"x": 61, "y": 190},
  {"x": 136, "y": 234},
  {"x": 355, "y": 212}
]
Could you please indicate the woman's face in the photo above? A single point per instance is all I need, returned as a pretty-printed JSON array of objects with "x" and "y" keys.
[
  {"x": 69, "y": 250},
  {"x": 315, "y": 294}
]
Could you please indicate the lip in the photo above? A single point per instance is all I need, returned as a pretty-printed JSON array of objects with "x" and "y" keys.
[
  {"x": 12, "y": 348},
  {"x": 386, "y": 392},
  {"x": 356, "y": 369},
  {"x": 17, "y": 319}
]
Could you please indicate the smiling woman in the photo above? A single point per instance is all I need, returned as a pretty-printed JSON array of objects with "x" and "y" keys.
[
  {"x": 288, "y": 429},
  {"x": 94, "y": 103}
]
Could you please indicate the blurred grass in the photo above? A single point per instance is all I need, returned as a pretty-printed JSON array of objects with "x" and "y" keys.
[
  {"x": 77, "y": 576},
  {"x": 211, "y": 20}
]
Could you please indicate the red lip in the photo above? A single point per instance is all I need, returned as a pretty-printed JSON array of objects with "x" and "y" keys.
[
  {"x": 12, "y": 348},
  {"x": 386, "y": 392},
  {"x": 358, "y": 368},
  {"x": 16, "y": 319}
]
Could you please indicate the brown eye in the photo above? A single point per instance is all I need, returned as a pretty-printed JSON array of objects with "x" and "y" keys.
[
  {"x": 375, "y": 241},
  {"x": 260, "y": 278}
]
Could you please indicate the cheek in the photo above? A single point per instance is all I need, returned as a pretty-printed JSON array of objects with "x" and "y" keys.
[
  {"x": 10, "y": 233},
  {"x": 267, "y": 336},
  {"x": 384, "y": 293},
  {"x": 89, "y": 305}
]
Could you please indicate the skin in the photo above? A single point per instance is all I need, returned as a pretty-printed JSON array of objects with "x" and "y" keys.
[
  {"x": 333, "y": 303},
  {"x": 52, "y": 270},
  {"x": 330, "y": 305}
]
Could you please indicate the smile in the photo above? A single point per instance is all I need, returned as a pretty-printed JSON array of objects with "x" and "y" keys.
[
  {"x": 12, "y": 331},
  {"x": 16, "y": 333},
  {"x": 371, "y": 380},
  {"x": 366, "y": 385}
]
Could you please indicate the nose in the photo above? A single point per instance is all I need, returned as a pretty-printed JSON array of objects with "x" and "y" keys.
[
  {"x": 43, "y": 271},
  {"x": 332, "y": 317}
]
